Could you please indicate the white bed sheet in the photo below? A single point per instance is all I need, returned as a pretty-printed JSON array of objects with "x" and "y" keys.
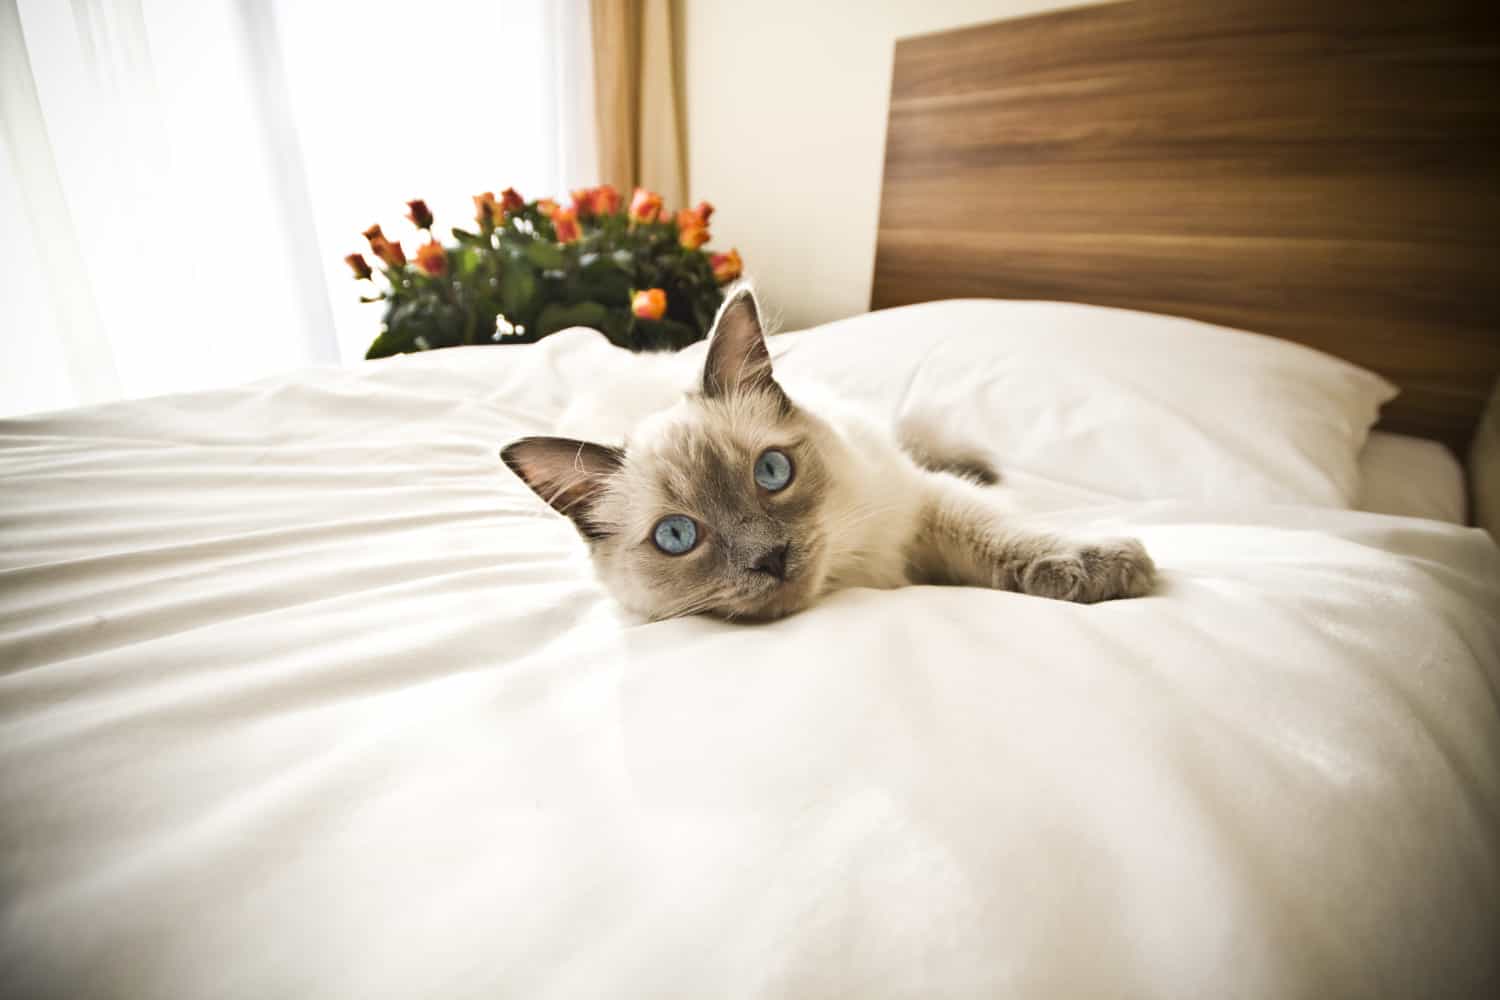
[
  {"x": 1411, "y": 477},
  {"x": 304, "y": 695}
]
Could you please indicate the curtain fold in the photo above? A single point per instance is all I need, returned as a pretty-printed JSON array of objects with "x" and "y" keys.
[
  {"x": 88, "y": 366},
  {"x": 637, "y": 97}
]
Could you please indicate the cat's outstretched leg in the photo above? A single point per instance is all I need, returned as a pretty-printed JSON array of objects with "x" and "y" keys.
[{"x": 965, "y": 541}]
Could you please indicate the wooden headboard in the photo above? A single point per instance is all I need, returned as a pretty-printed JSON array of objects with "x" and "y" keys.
[{"x": 1319, "y": 170}]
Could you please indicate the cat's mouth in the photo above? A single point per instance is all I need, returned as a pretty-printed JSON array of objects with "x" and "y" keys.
[
  {"x": 768, "y": 587},
  {"x": 775, "y": 596}
]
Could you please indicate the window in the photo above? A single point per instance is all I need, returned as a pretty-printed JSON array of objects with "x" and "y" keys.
[{"x": 181, "y": 178}]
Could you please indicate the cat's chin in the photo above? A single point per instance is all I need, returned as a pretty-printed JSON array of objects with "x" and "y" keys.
[{"x": 785, "y": 600}]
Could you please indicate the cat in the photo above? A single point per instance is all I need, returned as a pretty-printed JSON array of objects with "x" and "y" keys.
[{"x": 747, "y": 504}]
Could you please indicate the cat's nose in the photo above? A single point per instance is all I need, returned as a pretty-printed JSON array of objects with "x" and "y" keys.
[{"x": 772, "y": 561}]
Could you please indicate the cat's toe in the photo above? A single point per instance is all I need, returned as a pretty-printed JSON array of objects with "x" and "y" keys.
[
  {"x": 1118, "y": 568},
  {"x": 1059, "y": 577}
]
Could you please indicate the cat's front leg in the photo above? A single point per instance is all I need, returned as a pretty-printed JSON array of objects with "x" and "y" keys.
[
  {"x": 968, "y": 540},
  {"x": 1081, "y": 571}
]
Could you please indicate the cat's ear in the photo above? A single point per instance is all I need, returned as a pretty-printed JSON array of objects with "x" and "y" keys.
[
  {"x": 570, "y": 475},
  {"x": 737, "y": 357}
]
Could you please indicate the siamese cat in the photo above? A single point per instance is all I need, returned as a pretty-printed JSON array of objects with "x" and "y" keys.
[{"x": 749, "y": 503}]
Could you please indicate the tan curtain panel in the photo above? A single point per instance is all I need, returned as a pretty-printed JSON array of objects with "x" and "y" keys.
[{"x": 636, "y": 96}]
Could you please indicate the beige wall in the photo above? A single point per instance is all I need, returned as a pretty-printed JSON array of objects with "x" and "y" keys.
[{"x": 786, "y": 106}]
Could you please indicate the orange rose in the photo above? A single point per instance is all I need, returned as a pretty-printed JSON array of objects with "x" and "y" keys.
[
  {"x": 645, "y": 206},
  {"x": 547, "y": 207},
  {"x": 419, "y": 214},
  {"x": 373, "y": 233},
  {"x": 510, "y": 202},
  {"x": 583, "y": 202},
  {"x": 650, "y": 304},
  {"x": 432, "y": 258},
  {"x": 359, "y": 266},
  {"x": 703, "y": 211},
  {"x": 727, "y": 266},
  {"x": 565, "y": 224},
  {"x": 486, "y": 211},
  {"x": 606, "y": 200},
  {"x": 691, "y": 232}
]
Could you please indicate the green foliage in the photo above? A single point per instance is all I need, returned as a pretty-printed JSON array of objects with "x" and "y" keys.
[{"x": 510, "y": 279}]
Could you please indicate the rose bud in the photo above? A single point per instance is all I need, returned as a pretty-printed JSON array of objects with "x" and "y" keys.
[
  {"x": 703, "y": 211},
  {"x": 645, "y": 206},
  {"x": 650, "y": 304},
  {"x": 510, "y": 202},
  {"x": 583, "y": 202},
  {"x": 606, "y": 200},
  {"x": 390, "y": 253},
  {"x": 359, "y": 266},
  {"x": 486, "y": 210},
  {"x": 690, "y": 230},
  {"x": 727, "y": 266},
  {"x": 373, "y": 234},
  {"x": 419, "y": 214},
  {"x": 432, "y": 258},
  {"x": 565, "y": 224}
]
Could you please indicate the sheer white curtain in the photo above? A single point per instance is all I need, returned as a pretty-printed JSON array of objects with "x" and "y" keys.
[{"x": 180, "y": 179}]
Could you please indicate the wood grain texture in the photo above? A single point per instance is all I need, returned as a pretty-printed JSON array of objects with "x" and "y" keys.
[{"x": 1323, "y": 171}]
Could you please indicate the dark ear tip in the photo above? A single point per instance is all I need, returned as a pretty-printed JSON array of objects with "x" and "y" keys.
[{"x": 510, "y": 455}]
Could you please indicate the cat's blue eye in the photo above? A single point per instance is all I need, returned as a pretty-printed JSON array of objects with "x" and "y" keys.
[
  {"x": 675, "y": 534},
  {"x": 773, "y": 470}
]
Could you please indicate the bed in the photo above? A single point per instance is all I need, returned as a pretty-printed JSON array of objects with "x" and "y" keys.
[{"x": 302, "y": 694}]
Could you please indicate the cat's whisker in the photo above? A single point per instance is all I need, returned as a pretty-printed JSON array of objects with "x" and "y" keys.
[
  {"x": 859, "y": 517},
  {"x": 695, "y": 605}
]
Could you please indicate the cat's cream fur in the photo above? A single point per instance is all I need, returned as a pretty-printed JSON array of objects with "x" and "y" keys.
[{"x": 868, "y": 505}]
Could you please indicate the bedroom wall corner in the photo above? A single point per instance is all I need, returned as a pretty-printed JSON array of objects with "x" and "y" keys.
[{"x": 786, "y": 134}]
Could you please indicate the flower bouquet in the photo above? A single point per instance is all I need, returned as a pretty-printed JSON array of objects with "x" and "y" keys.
[{"x": 636, "y": 273}]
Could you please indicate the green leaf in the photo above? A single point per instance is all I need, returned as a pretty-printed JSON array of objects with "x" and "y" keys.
[
  {"x": 424, "y": 322},
  {"x": 518, "y": 288},
  {"x": 602, "y": 281},
  {"x": 616, "y": 327},
  {"x": 546, "y": 256},
  {"x": 704, "y": 309},
  {"x": 389, "y": 343},
  {"x": 556, "y": 316},
  {"x": 467, "y": 238}
]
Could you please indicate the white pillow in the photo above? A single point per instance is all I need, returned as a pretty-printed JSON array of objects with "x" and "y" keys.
[
  {"x": 1124, "y": 404},
  {"x": 1411, "y": 477}
]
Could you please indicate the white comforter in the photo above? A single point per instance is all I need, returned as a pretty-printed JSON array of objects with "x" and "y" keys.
[{"x": 303, "y": 695}]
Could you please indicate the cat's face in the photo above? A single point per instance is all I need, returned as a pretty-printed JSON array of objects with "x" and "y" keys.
[{"x": 714, "y": 506}]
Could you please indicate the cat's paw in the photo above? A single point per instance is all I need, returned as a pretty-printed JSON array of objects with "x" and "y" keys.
[{"x": 1093, "y": 571}]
